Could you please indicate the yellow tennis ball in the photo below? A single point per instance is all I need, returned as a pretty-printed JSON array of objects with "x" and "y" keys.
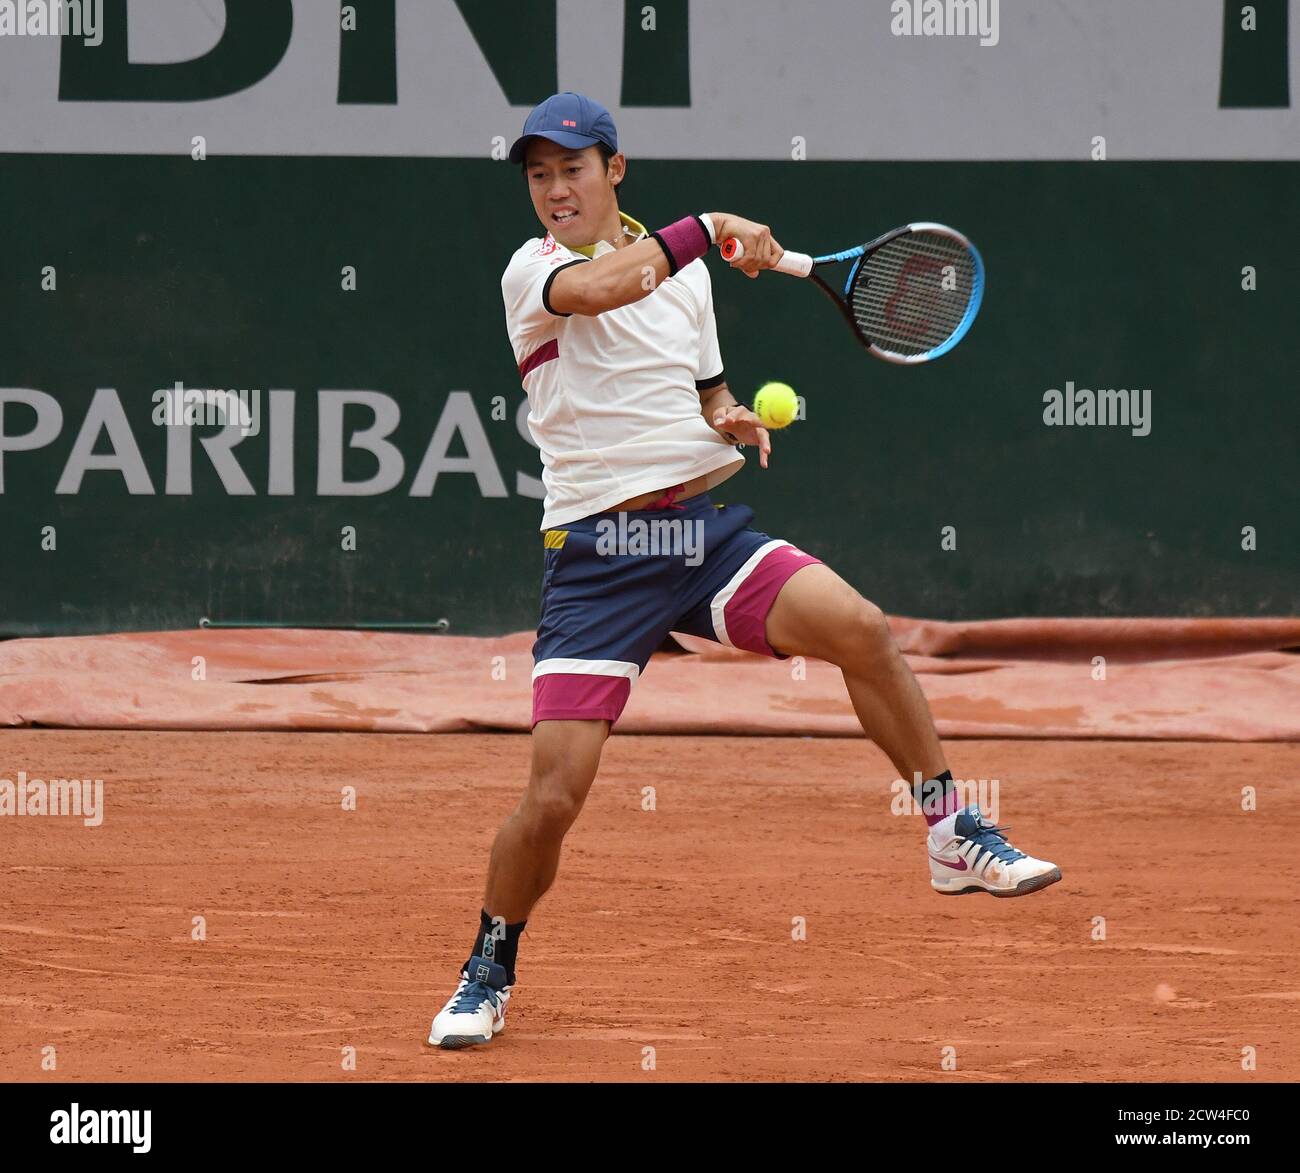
[{"x": 776, "y": 404}]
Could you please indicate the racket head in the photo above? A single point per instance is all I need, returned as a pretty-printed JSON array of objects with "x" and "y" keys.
[{"x": 914, "y": 293}]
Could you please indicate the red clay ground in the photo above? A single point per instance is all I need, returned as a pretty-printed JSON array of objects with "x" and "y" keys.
[{"x": 668, "y": 929}]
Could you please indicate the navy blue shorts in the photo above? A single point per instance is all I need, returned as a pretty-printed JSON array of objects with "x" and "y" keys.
[{"x": 615, "y": 585}]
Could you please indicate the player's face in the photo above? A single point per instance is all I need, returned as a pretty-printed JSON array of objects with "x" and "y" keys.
[{"x": 572, "y": 192}]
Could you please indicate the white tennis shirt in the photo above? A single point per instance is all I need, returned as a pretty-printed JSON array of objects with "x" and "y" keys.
[{"x": 614, "y": 399}]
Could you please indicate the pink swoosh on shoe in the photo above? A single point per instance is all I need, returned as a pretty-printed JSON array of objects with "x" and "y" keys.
[{"x": 960, "y": 866}]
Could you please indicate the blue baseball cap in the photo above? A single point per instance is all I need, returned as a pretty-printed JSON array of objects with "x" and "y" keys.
[{"x": 572, "y": 120}]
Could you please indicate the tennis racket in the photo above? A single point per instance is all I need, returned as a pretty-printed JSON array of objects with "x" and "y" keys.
[{"x": 911, "y": 295}]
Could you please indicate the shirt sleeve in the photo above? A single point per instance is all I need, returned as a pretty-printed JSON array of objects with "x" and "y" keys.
[
  {"x": 525, "y": 289},
  {"x": 708, "y": 371}
]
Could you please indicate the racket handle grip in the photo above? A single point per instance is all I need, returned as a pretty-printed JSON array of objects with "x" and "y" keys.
[{"x": 795, "y": 264}]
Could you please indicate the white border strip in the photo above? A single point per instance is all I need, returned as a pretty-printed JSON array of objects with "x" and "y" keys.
[{"x": 587, "y": 668}]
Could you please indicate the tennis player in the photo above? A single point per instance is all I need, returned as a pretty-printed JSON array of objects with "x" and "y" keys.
[{"x": 613, "y": 331}]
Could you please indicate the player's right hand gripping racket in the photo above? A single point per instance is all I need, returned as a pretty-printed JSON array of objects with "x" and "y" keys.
[{"x": 911, "y": 294}]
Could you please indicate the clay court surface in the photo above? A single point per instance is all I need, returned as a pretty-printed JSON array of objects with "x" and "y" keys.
[{"x": 668, "y": 928}]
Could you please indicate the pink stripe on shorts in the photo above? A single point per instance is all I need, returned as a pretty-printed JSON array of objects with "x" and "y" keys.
[
  {"x": 563, "y": 696},
  {"x": 745, "y": 613}
]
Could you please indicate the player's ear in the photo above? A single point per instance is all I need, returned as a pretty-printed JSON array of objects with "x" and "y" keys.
[{"x": 617, "y": 168}]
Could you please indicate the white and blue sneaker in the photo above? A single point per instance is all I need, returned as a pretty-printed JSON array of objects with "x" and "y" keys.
[
  {"x": 476, "y": 1011},
  {"x": 976, "y": 857}
]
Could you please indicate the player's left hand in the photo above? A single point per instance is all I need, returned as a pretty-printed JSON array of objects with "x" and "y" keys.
[{"x": 743, "y": 427}]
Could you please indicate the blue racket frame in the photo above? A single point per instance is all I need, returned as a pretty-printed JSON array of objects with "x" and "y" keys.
[{"x": 860, "y": 252}]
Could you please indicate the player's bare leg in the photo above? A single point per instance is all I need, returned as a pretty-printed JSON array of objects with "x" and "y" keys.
[
  {"x": 818, "y": 614},
  {"x": 526, "y": 853},
  {"x": 522, "y": 866}
]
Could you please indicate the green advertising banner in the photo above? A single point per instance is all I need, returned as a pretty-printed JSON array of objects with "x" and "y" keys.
[{"x": 1118, "y": 434}]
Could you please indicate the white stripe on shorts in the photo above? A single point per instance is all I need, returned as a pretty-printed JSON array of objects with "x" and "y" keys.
[
  {"x": 724, "y": 596},
  {"x": 587, "y": 668}
]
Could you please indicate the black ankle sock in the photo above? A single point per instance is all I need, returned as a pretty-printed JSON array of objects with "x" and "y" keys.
[
  {"x": 931, "y": 795},
  {"x": 498, "y": 942}
]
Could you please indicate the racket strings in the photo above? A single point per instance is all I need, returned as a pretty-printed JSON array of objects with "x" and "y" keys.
[{"x": 910, "y": 295}]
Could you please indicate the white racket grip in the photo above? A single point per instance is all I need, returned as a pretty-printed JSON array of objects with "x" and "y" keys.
[{"x": 795, "y": 264}]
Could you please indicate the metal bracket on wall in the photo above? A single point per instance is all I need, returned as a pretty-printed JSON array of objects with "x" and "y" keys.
[{"x": 436, "y": 626}]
